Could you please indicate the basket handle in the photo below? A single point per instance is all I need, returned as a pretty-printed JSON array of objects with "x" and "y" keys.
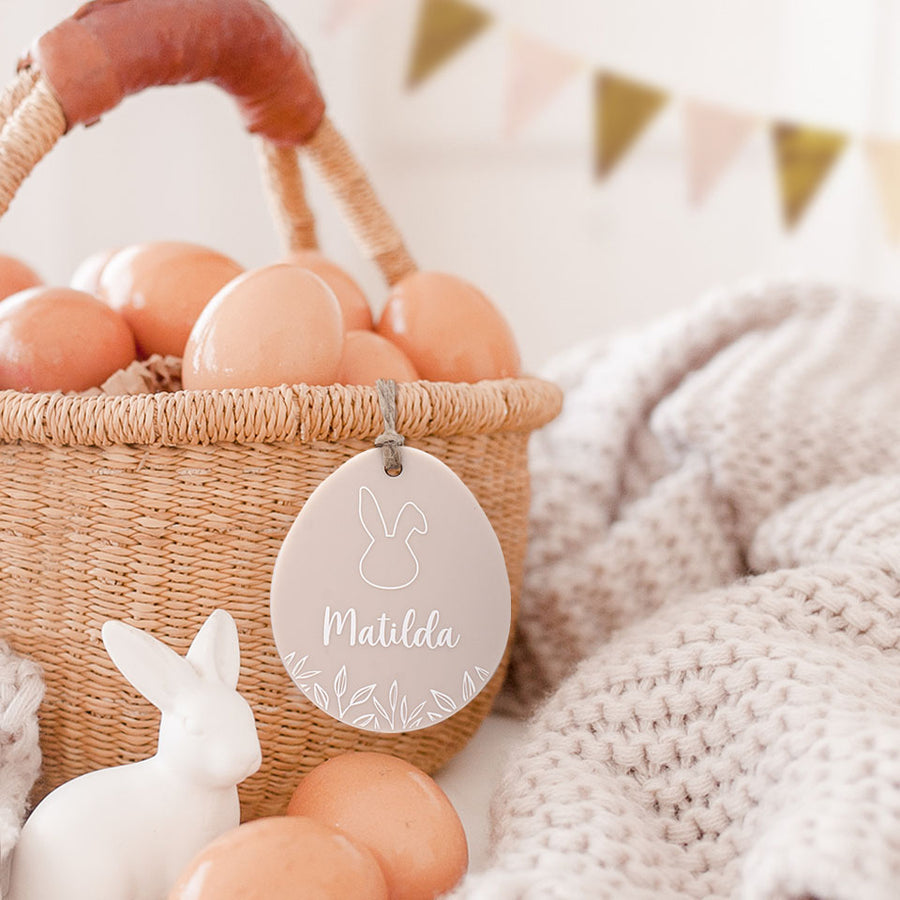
[{"x": 112, "y": 48}]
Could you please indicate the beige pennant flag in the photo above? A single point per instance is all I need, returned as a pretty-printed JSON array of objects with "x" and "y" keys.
[
  {"x": 884, "y": 162},
  {"x": 443, "y": 29},
  {"x": 804, "y": 157},
  {"x": 536, "y": 73},
  {"x": 622, "y": 110},
  {"x": 342, "y": 12},
  {"x": 714, "y": 136}
]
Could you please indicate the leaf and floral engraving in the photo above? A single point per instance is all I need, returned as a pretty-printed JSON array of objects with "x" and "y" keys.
[{"x": 391, "y": 712}]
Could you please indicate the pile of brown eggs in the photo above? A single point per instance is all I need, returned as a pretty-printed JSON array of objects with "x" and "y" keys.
[{"x": 300, "y": 321}]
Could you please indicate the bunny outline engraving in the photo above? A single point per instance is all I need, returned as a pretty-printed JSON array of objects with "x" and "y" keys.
[
  {"x": 160, "y": 812},
  {"x": 372, "y": 520}
]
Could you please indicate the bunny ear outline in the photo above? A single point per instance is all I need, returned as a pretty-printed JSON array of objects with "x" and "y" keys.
[
  {"x": 372, "y": 518},
  {"x": 156, "y": 671},
  {"x": 410, "y": 520},
  {"x": 370, "y": 515}
]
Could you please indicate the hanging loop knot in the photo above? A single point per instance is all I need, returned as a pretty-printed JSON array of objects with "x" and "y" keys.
[{"x": 389, "y": 441}]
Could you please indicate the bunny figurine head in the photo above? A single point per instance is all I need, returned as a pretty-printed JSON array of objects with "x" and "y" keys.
[
  {"x": 389, "y": 562},
  {"x": 207, "y": 732},
  {"x": 127, "y": 832}
]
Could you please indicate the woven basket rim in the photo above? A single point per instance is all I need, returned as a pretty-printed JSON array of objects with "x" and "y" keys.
[{"x": 303, "y": 413}]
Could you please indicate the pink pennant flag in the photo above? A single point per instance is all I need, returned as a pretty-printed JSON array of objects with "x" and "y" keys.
[
  {"x": 714, "y": 137},
  {"x": 341, "y": 12},
  {"x": 884, "y": 162},
  {"x": 536, "y": 73}
]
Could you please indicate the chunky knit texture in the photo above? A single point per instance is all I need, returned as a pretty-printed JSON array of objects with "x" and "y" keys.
[
  {"x": 21, "y": 691},
  {"x": 711, "y": 615}
]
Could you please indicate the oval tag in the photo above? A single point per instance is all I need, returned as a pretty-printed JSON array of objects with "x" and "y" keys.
[{"x": 390, "y": 600}]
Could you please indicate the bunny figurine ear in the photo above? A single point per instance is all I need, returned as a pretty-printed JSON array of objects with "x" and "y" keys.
[
  {"x": 154, "y": 669},
  {"x": 216, "y": 652}
]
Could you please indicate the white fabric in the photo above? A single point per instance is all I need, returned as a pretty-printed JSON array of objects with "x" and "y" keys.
[{"x": 710, "y": 619}]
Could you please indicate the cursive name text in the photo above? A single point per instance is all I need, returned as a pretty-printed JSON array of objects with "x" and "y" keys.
[{"x": 386, "y": 632}]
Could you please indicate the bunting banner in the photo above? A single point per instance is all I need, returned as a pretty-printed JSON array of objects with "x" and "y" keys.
[
  {"x": 443, "y": 29},
  {"x": 536, "y": 73},
  {"x": 623, "y": 107},
  {"x": 714, "y": 136},
  {"x": 622, "y": 110},
  {"x": 804, "y": 156},
  {"x": 884, "y": 164}
]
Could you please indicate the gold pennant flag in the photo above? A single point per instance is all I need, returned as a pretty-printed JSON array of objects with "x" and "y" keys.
[
  {"x": 443, "y": 29},
  {"x": 622, "y": 110},
  {"x": 804, "y": 157}
]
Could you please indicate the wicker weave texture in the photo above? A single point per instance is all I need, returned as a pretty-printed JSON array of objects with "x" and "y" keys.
[
  {"x": 160, "y": 536},
  {"x": 333, "y": 413}
]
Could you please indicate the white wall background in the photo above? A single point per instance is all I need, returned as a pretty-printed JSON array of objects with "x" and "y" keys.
[{"x": 563, "y": 256}]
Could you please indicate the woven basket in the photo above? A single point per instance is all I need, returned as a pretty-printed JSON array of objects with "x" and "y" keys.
[{"x": 158, "y": 508}]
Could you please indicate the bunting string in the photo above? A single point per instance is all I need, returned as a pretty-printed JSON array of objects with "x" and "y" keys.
[{"x": 625, "y": 107}]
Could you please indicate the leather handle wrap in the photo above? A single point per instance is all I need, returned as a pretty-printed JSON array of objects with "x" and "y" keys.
[{"x": 112, "y": 48}]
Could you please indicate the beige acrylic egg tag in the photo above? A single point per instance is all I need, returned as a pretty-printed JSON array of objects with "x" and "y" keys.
[{"x": 390, "y": 599}]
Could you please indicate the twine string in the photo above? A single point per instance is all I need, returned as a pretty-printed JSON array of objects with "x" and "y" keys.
[{"x": 389, "y": 441}]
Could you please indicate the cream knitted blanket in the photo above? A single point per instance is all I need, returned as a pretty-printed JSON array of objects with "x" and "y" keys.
[
  {"x": 21, "y": 691},
  {"x": 711, "y": 607}
]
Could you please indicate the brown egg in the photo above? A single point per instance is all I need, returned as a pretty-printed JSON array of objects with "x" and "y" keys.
[
  {"x": 15, "y": 276},
  {"x": 354, "y": 306},
  {"x": 368, "y": 357},
  {"x": 60, "y": 339},
  {"x": 161, "y": 289},
  {"x": 282, "y": 858},
  {"x": 86, "y": 276},
  {"x": 395, "y": 810},
  {"x": 449, "y": 330},
  {"x": 272, "y": 326}
]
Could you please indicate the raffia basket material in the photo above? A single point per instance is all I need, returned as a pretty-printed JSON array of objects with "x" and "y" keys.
[{"x": 158, "y": 508}]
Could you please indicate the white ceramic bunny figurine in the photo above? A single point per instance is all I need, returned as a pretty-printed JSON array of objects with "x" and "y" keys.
[{"x": 126, "y": 833}]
